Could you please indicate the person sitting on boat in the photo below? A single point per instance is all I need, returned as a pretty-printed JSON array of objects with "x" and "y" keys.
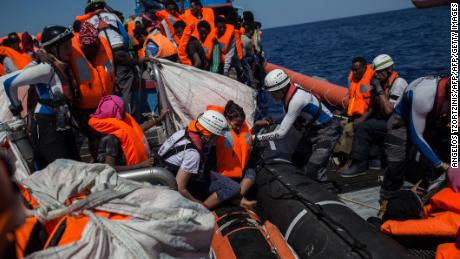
[
  {"x": 156, "y": 44},
  {"x": 197, "y": 13},
  {"x": 424, "y": 105},
  {"x": 210, "y": 46},
  {"x": 170, "y": 16},
  {"x": 305, "y": 109},
  {"x": 359, "y": 90},
  {"x": 387, "y": 88},
  {"x": 231, "y": 48},
  {"x": 189, "y": 48},
  {"x": 122, "y": 144},
  {"x": 56, "y": 89},
  {"x": 185, "y": 154}
]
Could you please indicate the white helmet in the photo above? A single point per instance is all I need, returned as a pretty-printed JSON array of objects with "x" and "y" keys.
[
  {"x": 214, "y": 122},
  {"x": 275, "y": 80},
  {"x": 382, "y": 62}
]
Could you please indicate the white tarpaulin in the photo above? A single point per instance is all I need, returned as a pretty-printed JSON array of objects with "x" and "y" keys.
[
  {"x": 163, "y": 223},
  {"x": 190, "y": 90}
]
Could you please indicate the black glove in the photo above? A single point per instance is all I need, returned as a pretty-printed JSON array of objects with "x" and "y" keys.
[
  {"x": 15, "y": 110},
  {"x": 377, "y": 87}
]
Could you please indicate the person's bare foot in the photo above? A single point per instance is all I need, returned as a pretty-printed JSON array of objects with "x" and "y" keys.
[{"x": 247, "y": 204}]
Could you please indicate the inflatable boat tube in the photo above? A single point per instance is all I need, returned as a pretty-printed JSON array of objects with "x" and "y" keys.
[
  {"x": 331, "y": 94},
  {"x": 242, "y": 234},
  {"x": 314, "y": 222},
  {"x": 152, "y": 175}
]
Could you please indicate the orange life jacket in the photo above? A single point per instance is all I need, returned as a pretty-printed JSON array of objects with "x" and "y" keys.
[
  {"x": 233, "y": 151},
  {"x": 130, "y": 28},
  {"x": 443, "y": 218},
  {"x": 83, "y": 18},
  {"x": 208, "y": 46},
  {"x": 20, "y": 60},
  {"x": 182, "y": 46},
  {"x": 225, "y": 40},
  {"x": 169, "y": 19},
  {"x": 128, "y": 132},
  {"x": 441, "y": 98},
  {"x": 95, "y": 80},
  {"x": 2, "y": 70},
  {"x": 360, "y": 93},
  {"x": 207, "y": 14},
  {"x": 389, "y": 83},
  {"x": 165, "y": 47},
  {"x": 447, "y": 251}
]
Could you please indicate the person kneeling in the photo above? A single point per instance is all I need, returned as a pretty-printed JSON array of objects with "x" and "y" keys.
[{"x": 123, "y": 144}]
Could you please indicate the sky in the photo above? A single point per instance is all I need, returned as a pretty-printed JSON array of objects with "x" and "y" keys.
[{"x": 33, "y": 15}]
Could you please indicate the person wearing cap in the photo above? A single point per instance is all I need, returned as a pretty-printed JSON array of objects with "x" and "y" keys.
[
  {"x": 55, "y": 86},
  {"x": 387, "y": 88},
  {"x": 185, "y": 154},
  {"x": 306, "y": 112}
]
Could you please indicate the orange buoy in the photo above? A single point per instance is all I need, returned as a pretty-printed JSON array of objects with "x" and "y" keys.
[{"x": 330, "y": 93}]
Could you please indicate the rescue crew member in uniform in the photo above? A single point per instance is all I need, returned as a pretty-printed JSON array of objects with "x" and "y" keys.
[
  {"x": 387, "y": 88},
  {"x": 322, "y": 131},
  {"x": 56, "y": 89},
  {"x": 123, "y": 144},
  {"x": 185, "y": 154},
  {"x": 424, "y": 103}
]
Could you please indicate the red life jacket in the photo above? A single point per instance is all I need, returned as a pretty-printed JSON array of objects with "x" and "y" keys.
[{"x": 441, "y": 97}]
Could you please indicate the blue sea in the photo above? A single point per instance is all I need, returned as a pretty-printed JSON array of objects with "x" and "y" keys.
[{"x": 417, "y": 39}]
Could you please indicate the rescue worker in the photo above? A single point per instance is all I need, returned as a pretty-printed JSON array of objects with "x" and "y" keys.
[
  {"x": 111, "y": 28},
  {"x": 189, "y": 48},
  {"x": 156, "y": 44},
  {"x": 184, "y": 154},
  {"x": 424, "y": 104},
  {"x": 231, "y": 51},
  {"x": 56, "y": 89},
  {"x": 170, "y": 16},
  {"x": 387, "y": 88},
  {"x": 359, "y": 89},
  {"x": 210, "y": 46},
  {"x": 93, "y": 67},
  {"x": 198, "y": 13},
  {"x": 319, "y": 128},
  {"x": 123, "y": 144}
]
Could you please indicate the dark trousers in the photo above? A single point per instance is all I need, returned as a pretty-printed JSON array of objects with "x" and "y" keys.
[
  {"x": 54, "y": 144},
  {"x": 367, "y": 133},
  {"x": 322, "y": 141},
  {"x": 126, "y": 79},
  {"x": 396, "y": 152}
]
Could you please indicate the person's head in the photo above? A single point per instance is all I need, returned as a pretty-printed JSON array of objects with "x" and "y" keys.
[
  {"x": 195, "y": 7},
  {"x": 179, "y": 28},
  {"x": 89, "y": 40},
  {"x": 148, "y": 20},
  {"x": 277, "y": 82},
  {"x": 358, "y": 68},
  {"x": 248, "y": 17},
  {"x": 258, "y": 25},
  {"x": 403, "y": 205},
  {"x": 221, "y": 25},
  {"x": 56, "y": 40},
  {"x": 14, "y": 41},
  {"x": 172, "y": 7},
  {"x": 27, "y": 42},
  {"x": 249, "y": 29},
  {"x": 383, "y": 67},
  {"x": 94, "y": 5},
  {"x": 235, "y": 115},
  {"x": 209, "y": 125},
  {"x": 110, "y": 106},
  {"x": 204, "y": 28}
]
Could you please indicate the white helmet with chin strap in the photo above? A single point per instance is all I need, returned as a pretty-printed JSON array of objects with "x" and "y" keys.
[
  {"x": 382, "y": 62},
  {"x": 276, "y": 80},
  {"x": 214, "y": 122}
]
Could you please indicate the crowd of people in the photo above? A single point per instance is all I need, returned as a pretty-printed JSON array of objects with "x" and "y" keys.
[{"x": 84, "y": 78}]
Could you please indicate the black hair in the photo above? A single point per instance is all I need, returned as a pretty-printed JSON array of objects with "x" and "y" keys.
[
  {"x": 204, "y": 24},
  {"x": 6, "y": 42},
  {"x": 360, "y": 60},
  {"x": 248, "y": 16},
  {"x": 13, "y": 36},
  {"x": 197, "y": 2},
  {"x": 220, "y": 19},
  {"x": 258, "y": 25},
  {"x": 234, "y": 111},
  {"x": 76, "y": 26},
  {"x": 179, "y": 24},
  {"x": 171, "y": 2}
]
